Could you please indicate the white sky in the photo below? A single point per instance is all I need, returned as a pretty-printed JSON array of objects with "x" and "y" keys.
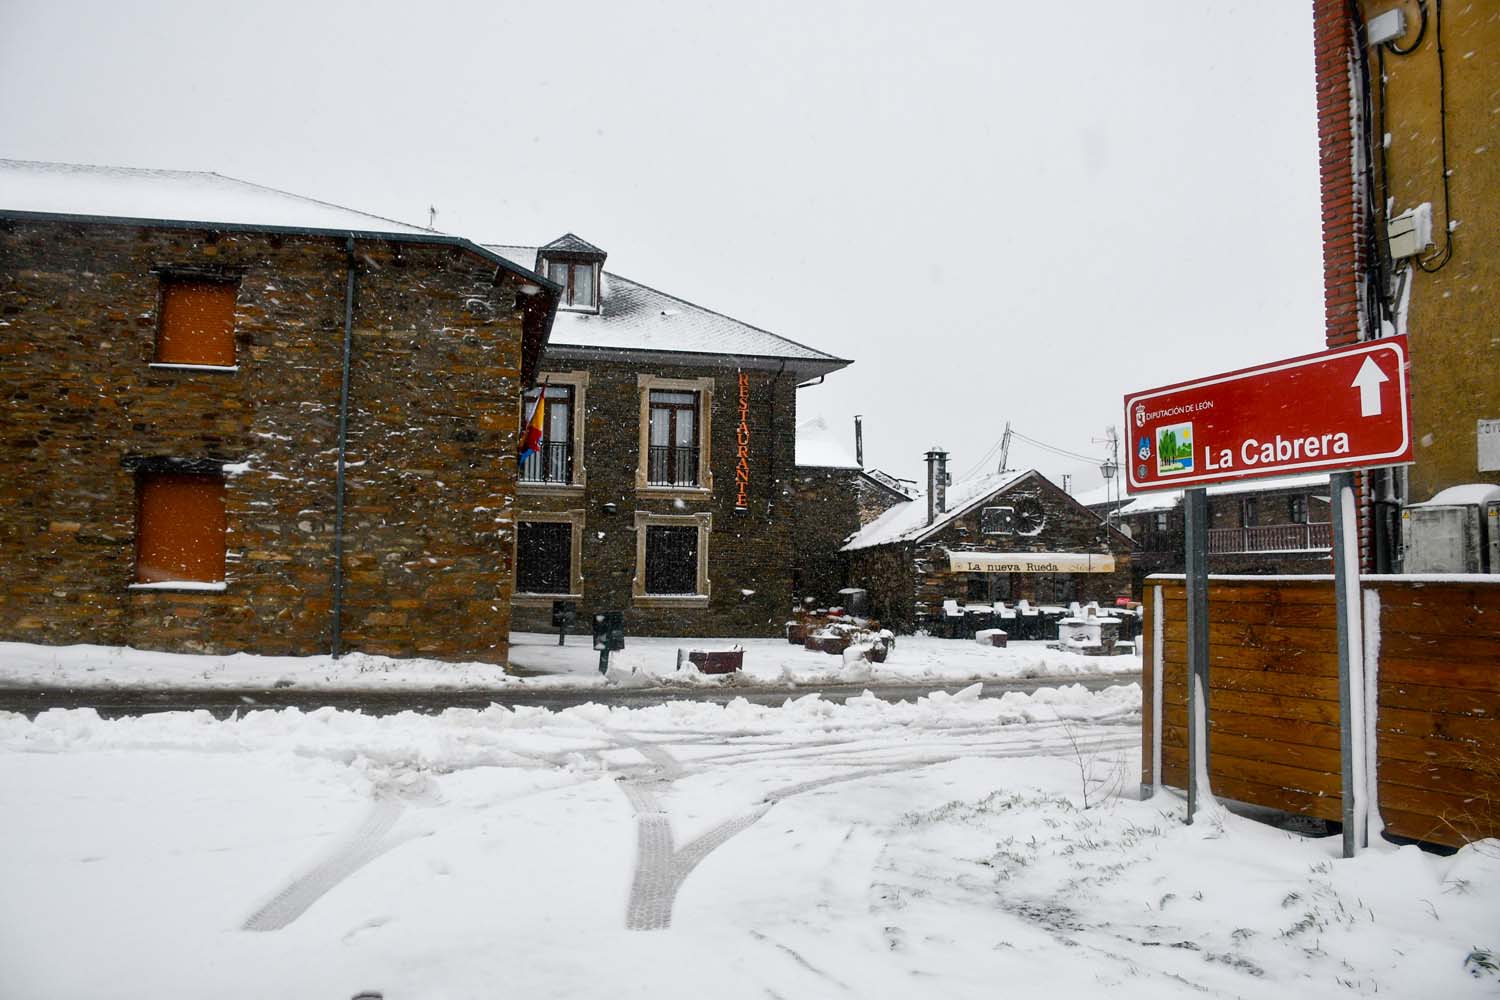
[{"x": 1000, "y": 211}]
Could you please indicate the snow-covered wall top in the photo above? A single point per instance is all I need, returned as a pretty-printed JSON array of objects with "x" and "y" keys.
[
  {"x": 819, "y": 447},
  {"x": 173, "y": 195},
  {"x": 635, "y": 317},
  {"x": 1148, "y": 502}
]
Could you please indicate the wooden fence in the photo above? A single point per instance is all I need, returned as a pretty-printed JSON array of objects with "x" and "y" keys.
[{"x": 1432, "y": 662}]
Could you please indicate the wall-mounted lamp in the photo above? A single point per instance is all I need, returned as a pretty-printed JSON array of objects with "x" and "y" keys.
[{"x": 610, "y": 507}]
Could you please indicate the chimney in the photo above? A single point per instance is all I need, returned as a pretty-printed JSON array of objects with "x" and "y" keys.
[
  {"x": 937, "y": 482},
  {"x": 859, "y": 440}
]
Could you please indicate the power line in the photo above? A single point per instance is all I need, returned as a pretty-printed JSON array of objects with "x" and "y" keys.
[{"x": 1092, "y": 459}]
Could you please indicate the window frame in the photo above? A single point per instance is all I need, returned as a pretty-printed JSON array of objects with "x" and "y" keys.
[
  {"x": 639, "y": 596},
  {"x": 576, "y": 519},
  {"x": 704, "y": 387},
  {"x": 169, "y": 278},
  {"x": 215, "y": 477},
  {"x": 570, "y": 285},
  {"x": 578, "y": 381}
]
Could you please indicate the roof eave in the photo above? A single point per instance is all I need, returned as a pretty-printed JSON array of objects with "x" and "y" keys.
[
  {"x": 435, "y": 239},
  {"x": 804, "y": 368}
]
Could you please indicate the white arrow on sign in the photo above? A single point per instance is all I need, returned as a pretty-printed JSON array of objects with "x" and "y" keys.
[{"x": 1368, "y": 382}]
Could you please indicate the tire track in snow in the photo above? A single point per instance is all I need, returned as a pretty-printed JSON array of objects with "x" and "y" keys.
[{"x": 366, "y": 844}]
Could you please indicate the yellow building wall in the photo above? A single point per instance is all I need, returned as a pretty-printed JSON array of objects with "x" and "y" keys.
[{"x": 1454, "y": 315}]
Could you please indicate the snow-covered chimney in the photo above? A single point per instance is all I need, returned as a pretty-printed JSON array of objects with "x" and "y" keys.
[
  {"x": 937, "y": 482},
  {"x": 859, "y": 440}
]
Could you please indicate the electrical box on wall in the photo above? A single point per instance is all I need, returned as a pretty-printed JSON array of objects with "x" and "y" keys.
[
  {"x": 1454, "y": 532},
  {"x": 1494, "y": 530},
  {"x": 1410, "y": 233},
  {"x": 1386, "y": 27}
]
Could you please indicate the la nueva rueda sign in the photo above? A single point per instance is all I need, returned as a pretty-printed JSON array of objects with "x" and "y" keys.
[{"x": 1342, "y": 409}]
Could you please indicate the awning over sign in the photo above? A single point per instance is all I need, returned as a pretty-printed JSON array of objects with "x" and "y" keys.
[{"x": 1031, "y": 562}]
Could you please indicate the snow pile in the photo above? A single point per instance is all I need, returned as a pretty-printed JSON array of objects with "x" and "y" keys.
[
  {"x": 644, "y": 662},
  {"x": 869, "y": 849}
]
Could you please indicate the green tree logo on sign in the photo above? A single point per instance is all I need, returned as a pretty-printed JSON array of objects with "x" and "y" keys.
[{"x": 1174, "y": 449}]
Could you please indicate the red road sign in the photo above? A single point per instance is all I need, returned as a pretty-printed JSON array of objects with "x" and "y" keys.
[{"x": 1342, "y": 409}]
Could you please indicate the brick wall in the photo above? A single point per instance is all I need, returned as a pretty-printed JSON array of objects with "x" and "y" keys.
[
  {"x": 750, "y": 551},
  {"x": 433, "y": 417}
]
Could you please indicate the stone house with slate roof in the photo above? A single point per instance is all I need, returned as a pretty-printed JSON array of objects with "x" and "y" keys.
[
  {"x": 1271, "y": 526},
  {"x": 239, "y": 419},
  {"x": 994, "y": 537},
  {"x": 664, "y": 487}
]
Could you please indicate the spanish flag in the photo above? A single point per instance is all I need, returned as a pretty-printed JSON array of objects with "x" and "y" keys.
[{"x": 531, "y": 440}]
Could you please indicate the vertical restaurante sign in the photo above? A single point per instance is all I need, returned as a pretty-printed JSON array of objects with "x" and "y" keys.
[{"x": 742, "y": 442}]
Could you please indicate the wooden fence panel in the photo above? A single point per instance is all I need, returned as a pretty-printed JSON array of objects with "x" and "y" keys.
[
  {"x": 1272, "y": 692},
  {"x": 1437, "y": 740},
  {"x": 1274, "y": 708}
]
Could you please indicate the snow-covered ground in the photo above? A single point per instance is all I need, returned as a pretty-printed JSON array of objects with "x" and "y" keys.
[
  {"x": 644, "y": 661},
  {"x": 950, "y": 847}
]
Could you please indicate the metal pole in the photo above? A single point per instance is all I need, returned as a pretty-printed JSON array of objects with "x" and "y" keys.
[
  {"x": 1195, "y": 510},
  {"x": 1345, "y": 573}
]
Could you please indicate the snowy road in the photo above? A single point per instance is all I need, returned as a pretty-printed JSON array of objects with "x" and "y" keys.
[{"x": 950, "y": 847}]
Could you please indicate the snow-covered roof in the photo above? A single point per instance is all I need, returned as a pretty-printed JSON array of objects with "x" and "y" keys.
[
  {"x": 573, "y": 245},
  {"x": 1463, "y": 495},
  {"x": 636, "y": 317},
  {"x": 819, "y": 447},
  {"x": 1104, "y": 493},
  {"x": 174, "y": 195},
  {"x": 1148, "y": 503},
  {"x": 908, "y": 521}
]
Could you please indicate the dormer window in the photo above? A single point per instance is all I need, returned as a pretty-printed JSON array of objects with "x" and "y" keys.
[
  {"x": 576, "y": 265},
  {"x": 579, "y": 279}
]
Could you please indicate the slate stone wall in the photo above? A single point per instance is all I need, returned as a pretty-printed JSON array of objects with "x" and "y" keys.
[
  {"x": 750, "y": 554},
  {"x": 433, "y": 421},
  {"x": 872, "y": 499},
  {"x": 827, "y": 514}
]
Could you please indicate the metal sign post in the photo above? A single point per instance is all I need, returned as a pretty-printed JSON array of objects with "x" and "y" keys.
[
  {"x": 1347, "y": 606},
  {"x": 1195, "y": 509},
  {"x": 1335, "y": 411}
]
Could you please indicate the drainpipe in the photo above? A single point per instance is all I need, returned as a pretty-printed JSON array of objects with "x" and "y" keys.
[{"x": 336, "y": 644}]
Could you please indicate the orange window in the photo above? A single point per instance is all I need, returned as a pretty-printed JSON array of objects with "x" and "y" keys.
[
  {"x": 179, "y": 528},
  {"x": 197, "y": 322}
]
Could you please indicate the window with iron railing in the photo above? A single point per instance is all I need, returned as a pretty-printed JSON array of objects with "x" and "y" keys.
[
  {"x": 673, "y": 453},
  {"x": 552, "y": 463},
  {"x": 553, "y": 460}
]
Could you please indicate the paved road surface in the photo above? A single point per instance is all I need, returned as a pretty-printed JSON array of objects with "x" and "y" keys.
[{"x": 222, "y": 703}]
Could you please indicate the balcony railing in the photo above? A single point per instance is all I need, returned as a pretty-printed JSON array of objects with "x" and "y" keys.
[
  {"x": 1272, "y": 538},
  {"x": 553, "y": 463},
  {"x": 668, "y": 465}
]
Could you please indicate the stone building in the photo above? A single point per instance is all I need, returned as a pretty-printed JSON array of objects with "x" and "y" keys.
[
  {"x": 1278, "y": 526},
  {"x": 835, "y": 496},
  {"x": 996, "y": 537},
  {"x": 664, "y": 486},
  {"x": 1410, "y": 184},
  {"x": 204, "y": 379}
]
